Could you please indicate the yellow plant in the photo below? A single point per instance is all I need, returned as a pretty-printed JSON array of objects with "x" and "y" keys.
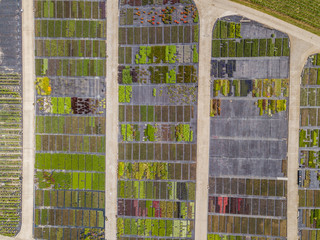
[{"x": 43, "y": 86}]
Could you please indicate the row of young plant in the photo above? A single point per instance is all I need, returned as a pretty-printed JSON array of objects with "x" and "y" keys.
[
  {"x": 164, "y": 190},
  {"x": 311, "y": 76},
  {"x": 267, "y": 88},
  {"x": 156, "y": 208},
  {"x": 159, "y": 151},
  {"x": 273, "y": 94},
  {"x": 87, "y": 218},
  {"x": 10, "y": 153},
  {"x": 70, "y": 29},
  {"x": 67, "y": 143},
  {"x": 158, "y": 35},
  {"x": 310, "y": 96},
  {"x": 179, "y": 133},
  {"x": 68, "y": 233},
  {"x": 150, "y": 113},
  {"x": 70, "y": 9},
  {"x": 154, "y": 171},
  {"x": 160, "y": 15},
  {"x": 70, "y": 67},
  {"x": 70, "y": 199},
  {"x": 247, "y": 227},
  {"x": 309, "y": 234},
  {"x": 62, "y": 124},
  {"x": 169, "y": 74},
  {"x": 251, "y": 48},
  {"x": 236, "y": 237},
  {"x": 70, "y": 48},
  {"x": 154, "y": 227}
]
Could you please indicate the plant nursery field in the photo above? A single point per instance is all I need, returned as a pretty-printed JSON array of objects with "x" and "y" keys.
[
  {"x": 10, "y": 153},
  {"x": 70, "y": 52},
  {"x": 302, "y": 13},
  {"x": 309, "y": 158},
  {"x": 10, "y": 118},
  {"x": 157, "y": 75},
  {"x": 248, "y": 132}
]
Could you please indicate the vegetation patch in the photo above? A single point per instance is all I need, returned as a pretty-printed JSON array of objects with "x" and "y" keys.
[
  {"x": 150, "y": 132},
  {"x": 183, "y": 133}
]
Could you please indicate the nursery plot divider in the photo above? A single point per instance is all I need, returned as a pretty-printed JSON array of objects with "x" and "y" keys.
[
  {"x": 203, "y": 127},
  {"x": 112, "y": 10},
  {"x": 28, "y": 119}
]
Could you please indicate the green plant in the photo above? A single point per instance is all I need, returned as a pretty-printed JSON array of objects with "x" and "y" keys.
[
  {"x": 231, "y": 29},
  {"x": 130, "y": 132},
  {"x": 120, "y": 227},
  {"x": 61, "y": 105},
  {"x": 44, "y": 66},
  {"x": 196, "y": 33},
  {"x": 128, "y": 93},
  {"x": 238, "y": 30},
  {"x": 314, "y": 138},
  {"x": 183, "y": 133},
  {"x": 223, "y": 29},
  {"x": 123, "y": 132},
  {"x": 171, "y": 77},
  {"x": 170, "y": 53},
  {"x": 240, "y": 47},
  {"x": 122, "y": 97},
  {"x": 268, "y": 106},
  {"x": 125, "y": 94},
  {"x": 270, "y": 48},
  {"x": 196, "y": 17},
  {"x": 126, "y": 76},
  {"x": 215, "y": 48},
  {"x": 150, "y": 132},
  {"x": 232, "y": 48},
  {"x": 141, "y": 58},
  {"x": 221, "y": 85},
  {"x": 195, "y": 54}
]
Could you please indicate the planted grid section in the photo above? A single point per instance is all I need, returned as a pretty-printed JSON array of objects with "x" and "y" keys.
[
  {"x": 10, "y": 153},
  {"x": 10, "y": 118},
  {"x": 308, "y": 173},
  {"x": 248, "y": 131},
  {"x": 157, "y": 75},
  {"x": 70, "y": 46}
]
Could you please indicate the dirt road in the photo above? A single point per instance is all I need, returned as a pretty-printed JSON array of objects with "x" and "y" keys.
[
  {"x": 28, "y": 76},
  {"x": 112, "y": 120}
]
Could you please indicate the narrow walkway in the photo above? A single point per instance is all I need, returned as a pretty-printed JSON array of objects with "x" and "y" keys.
[{"x": 300, "y": 51}]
